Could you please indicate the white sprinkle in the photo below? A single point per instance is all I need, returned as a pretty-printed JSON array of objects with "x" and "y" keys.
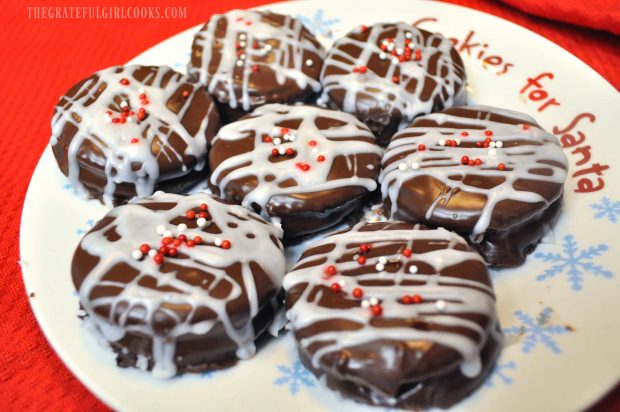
[
  {"x": 277, "y": 141},
  {"x": 167, "y": 233},
  {"x": 390, "y": 46},
  {"x": 499, "y": 144},
  {"x": 403, "y": 166},
  {"x": 442, "y": 142},
  {"x": 395, "y": 60},
  {"x": 365, "y": 303},
  {"x": 242, "y": 36},
  {"x": 458, "y": 141},
  {"x": 161, "y": 229},
  {"x": 181, "y": 227},
  {"x": 292, "y": 138},
  {"x": 152, "y": 253},
  {"x": 108, "y": 119},
  {"x": 373, "y": 301},
  {"x": 239, "y": 63},
  {"x": 268, "y": 47},
  {"x": 399, "y": 50},
  {"x": 136, "y": 254},
  {"x": 440, "y": 305},
  {"x": 282, "y": 150},
  {"x": 413, "y": 269},
  {"x": 129, "y": 119},
  {"x": 242, "y": 44},
  {"x": 286, "y": 137},
  {"x": 492, "y": 152},
  {"x": 382, "y": 55},
  {"x": 242, "y": 56},
  {"x": 201, "y": 222},
  {"x": 309, "y": 63},
  {"x": 379, "y": 266},
  {"x": 141, "y": 90},
  {"x": 383, "y": 260},
  {"x": 123, "y": 103},
  {"x": 218, "y": 241},
  {"x": 492, "y": 144},
  {"x": 415, "y": 165},
  {"x": 408, "y": 35},
  {"x": 342, "y": 283}
]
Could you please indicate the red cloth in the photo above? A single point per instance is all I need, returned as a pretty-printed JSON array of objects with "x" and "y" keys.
[
  {"x": 41, "y": 59},
  {"x": 599, "y": 14}
]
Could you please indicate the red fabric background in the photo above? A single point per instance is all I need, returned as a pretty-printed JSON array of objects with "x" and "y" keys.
[{"x": 41, "y": 60}]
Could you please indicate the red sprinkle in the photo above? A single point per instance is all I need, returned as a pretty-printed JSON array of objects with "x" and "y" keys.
[
  {"x": 190, "y": 214},
  {"x": 376, "y": 310},
  {"x": 361, "y": 260},
  {"x": 501, "y": 166},
  {"x": 177, "y": 242},
  {"x": 203, "y": 215},
  {"x": 284, "y": 130},
  {"x": 477, "y": 162},
  {"x": 290, "y": 151},
  {"x": 464, "y": 134},
  {"x": 365, "y": 248},
  {"x": 407, "y": 252},
  {"x": 185, "y": 93},
  {"x": 357, "y": 293},
  {"x": 406, "y": 300},
  {"x": 254, "y": 68},
  {"x": 267, "y": 139},
  {"x": 275, "y": 152},
  {"x": 163, "y": 250},
  {"x": 172, "y": 251},
  {"x": 526, "y": 126},
  {"x": 144, "y": 248},
  {"x": 320, "y": 158},
  {"x": 470, "y": 163},
  {"x": 182, "y": 238},
  {"x": 421, "y": 147},
  {"x": 167, "y": 240},
  {"x": 416, "y": 298},
  {"x": 158, "y": 258},
  {"x": 124, "y": 82},
  {"x": 488, "y": 133},
  {"x": 363, "y": 28},
  {"x": 135, "y": 140},
  {"x": 198, "y": 240},
  {"x": 226, "y": 244},
  {"x": 204, "y": 206},
  {"x": 312, "y": 143},
  {"x": 396, "y": 79},
  {"x": 330, "y": 270},
  {"x": 336, "y": 287},
  {"x": 190, "y": 243},
  {"x": 465, "y": 160}
]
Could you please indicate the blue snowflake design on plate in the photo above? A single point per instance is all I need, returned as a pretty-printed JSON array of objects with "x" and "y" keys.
[
  {"x": 606, "y": 209},
  {"x": 295, "y": 377},
  {"x": 89, "y": 224},
  {"x": 499, "y": 374},
  {"x": 318, "y": 24},
  {"x": 575, "y": 262},
  {"x": 537, "y": 330}
]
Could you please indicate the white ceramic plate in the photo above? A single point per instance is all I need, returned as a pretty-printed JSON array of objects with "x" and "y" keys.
[{"x": 559, "y": 310}]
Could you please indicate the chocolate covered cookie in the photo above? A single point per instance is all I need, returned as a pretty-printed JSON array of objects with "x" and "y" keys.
[
  {"x": 303, "y": 166},
  {"x": 493, "y": 175},
  {"x": 394, "y": 314},
  {"x": 129, "y": 131},
  {"x": 389, "y": 73},
  {"x": 180, "y": 283},
  {"x": 248, "y": 58}
]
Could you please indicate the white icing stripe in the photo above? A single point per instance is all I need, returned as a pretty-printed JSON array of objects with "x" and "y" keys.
[
  {"x": 137, "y": 225},
  {"x": 383, "y": 89},
  {"x": 284, "y": 45},
  {"x": 458, "y": 295},
  {"x": 115, "y": 140},
  {"x": 330, "y": 143},
  {"x": 535, "y": 148}
]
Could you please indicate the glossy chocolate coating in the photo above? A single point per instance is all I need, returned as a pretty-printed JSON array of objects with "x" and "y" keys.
[
  {"x": 248, "y": 58},
  {"x": 404, "y": 357},
  {"x": 502, "y": 212},
  {"x": 166, "y": 161}
]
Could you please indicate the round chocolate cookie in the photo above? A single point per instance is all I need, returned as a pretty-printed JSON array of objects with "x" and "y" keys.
[
  {"x": 128, "y": 131},
  {"x": 493, "y": 175},
  {"x": 180, "y": 283},
  {"x": 389, "y": 73},
  {"x": 394, "y": 314},
  {"x": 248, "y": 58},
  {"x": 304, "y": 166}
]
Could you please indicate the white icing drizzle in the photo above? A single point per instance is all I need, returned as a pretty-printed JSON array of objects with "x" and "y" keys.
[
  {"x": 137, "y": 225},
  {"x": 520, "y": 149},
  {"x": 457, "y": 294},
  {"x": 283, "y": 49},
  {"x": 115, "y": 140},
  {"x": 330, "y": 143},
  {"x": 447, "y": 77}
]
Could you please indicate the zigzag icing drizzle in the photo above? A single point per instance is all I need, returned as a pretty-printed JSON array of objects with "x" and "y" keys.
[
  {"x": 330, "y": 143},
  {"x": 280, "y": 48},
  {"x": 414, "y": 73},
  {"x": 136, "y": 225},
  {"x": 523, "y": 148},
  {"x": 102, "y": 93},
  {"x": 443, "y": 296}
]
